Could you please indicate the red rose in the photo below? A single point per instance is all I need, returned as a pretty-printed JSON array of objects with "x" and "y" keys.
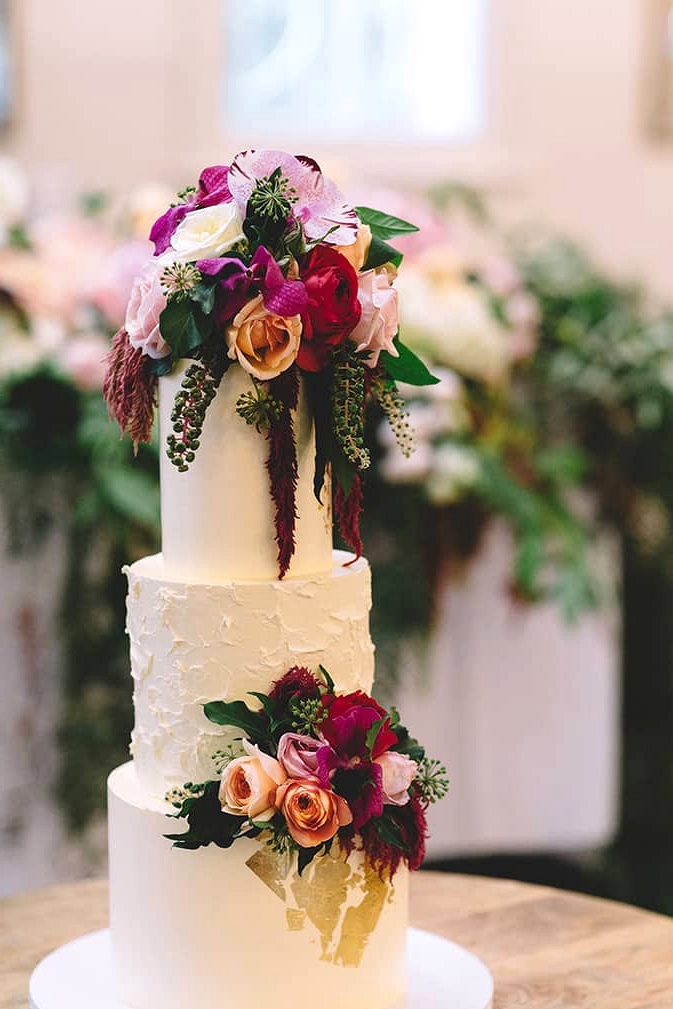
[{"x": 332, "y": 311}]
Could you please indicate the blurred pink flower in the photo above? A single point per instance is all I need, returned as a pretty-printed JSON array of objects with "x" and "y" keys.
[
  {"x": 110, "y": 286},
  {"x": 82, "y": 358}
]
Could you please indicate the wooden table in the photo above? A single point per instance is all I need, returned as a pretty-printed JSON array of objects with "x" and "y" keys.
[{"x": 547, "y": 949}]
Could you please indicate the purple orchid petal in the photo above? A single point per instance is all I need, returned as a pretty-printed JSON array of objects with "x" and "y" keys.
[
  {"x": 213, "y": 186},
  {"x": 213, "y": 267},
  {"x": 288, "y": 300},
  {"x": 282, "y": 297},
  {"x": 164, "y": 228}
]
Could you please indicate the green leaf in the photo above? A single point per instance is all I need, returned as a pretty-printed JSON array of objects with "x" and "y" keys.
[
  {"x": 237, "y": 714},
  {"x": 373, "y": 732},
  {"x": 204, "y": 296},
  {"x": 268, "y": 705},
  {"x": 132, "y": 493},
  {"x": 384, "y": 225},
  {"x": 160, "y": 366},
  {"x": 408, "y": 367},
  {"x": 389, "y": 832},
  {"x": 328, "y": 679},
  {"x": 380, "y": 253},
  {"x": 184, "y": 327}
]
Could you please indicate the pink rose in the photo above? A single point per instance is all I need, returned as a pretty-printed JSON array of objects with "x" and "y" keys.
[
  {"x": 398, "y": 773},
  {"x": 249, "y": 784},
  {"x": 144, "y": 309},
  {"x": 298, "y": 755},
  {"x": 379, "y": 321}
]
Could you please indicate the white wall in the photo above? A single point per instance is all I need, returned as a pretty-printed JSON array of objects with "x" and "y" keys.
[{"x": 127, "y": 91}]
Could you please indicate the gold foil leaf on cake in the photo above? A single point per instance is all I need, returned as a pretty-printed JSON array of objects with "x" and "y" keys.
[
  {"x": 273, "y": 870},
  {"x": 341, "y": 901},
  {"x": 321, "y": 892},
  {"x": 296, "y": 919},
  {"x": 361, "y": 919}
]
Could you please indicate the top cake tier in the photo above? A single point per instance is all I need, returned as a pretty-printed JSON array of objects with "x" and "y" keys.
[{"x": 217, "y": 518}]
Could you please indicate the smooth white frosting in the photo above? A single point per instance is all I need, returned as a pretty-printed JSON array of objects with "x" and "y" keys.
[
  {"x": 217, "y": 518},
  {"x": 202, "y": 929},
  {"x": 193, "y": 642}
]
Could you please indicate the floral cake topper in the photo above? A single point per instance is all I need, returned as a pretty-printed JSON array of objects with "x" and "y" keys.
[
  {"x": 315, "y": 767},
  {"x": 265, "y": 265}
]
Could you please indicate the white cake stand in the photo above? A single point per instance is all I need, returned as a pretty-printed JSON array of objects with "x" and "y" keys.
[{"x": 441, "y": 976}]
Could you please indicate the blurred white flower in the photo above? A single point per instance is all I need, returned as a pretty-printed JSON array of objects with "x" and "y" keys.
[
  {"x": 455, "y": 470},
  {"x": 398, "y": 468},
  {"x": 451, "y": 322}
]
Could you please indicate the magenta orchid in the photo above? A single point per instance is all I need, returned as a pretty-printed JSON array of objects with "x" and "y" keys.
[{"x": 212, "y": 190}]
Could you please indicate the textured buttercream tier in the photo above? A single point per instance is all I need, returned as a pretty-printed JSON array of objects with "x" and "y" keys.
[
  {"x": 217, "y": 518},
  {"x": 193, "y": 642},
  {"x": 238, "y": 928}
]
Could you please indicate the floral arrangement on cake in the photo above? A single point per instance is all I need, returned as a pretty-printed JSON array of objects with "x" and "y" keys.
[
  {"x": 265, "y": 265},
  {"x": 315, "y": 767}
]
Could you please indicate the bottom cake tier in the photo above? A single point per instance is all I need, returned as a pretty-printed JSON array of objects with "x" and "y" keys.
[{"x": 238, "y": 928}]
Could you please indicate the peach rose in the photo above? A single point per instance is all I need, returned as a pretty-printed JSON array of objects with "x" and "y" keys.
[
  {"x": 264, "y": 344},
  {"x": 313, "y": 814},
  {"x": 357, "y": 252},
  {"x": 379, "y": 320},
  {"x": 249, "y": 784},
  {"x": 398, "y": 773}
]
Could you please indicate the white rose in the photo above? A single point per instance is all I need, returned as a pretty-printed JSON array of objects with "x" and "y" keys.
[{"x": 207, "y": 233}]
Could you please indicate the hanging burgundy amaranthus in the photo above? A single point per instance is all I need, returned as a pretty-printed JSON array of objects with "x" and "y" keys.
[{"x": 130, "y": 389}]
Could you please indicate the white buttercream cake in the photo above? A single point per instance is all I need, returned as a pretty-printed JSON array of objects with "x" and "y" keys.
[{"x": 208, "y": 619}]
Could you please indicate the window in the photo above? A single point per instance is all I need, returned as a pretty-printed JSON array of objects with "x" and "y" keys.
[{"x": 355, "y": 69}]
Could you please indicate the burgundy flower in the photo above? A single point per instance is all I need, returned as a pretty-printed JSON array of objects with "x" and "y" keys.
[
  {"x": 361, "y": 786},
  {"x": 297, "y": 684},
  {"x": 213, "y": 189},
  {"x": 349, "y": 719},
  {"x": 332, "y": 311}
]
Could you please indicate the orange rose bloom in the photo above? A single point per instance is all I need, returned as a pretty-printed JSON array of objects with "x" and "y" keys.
[
  {"x": 313, "y": 814},
  {"x": 263, "y": 343}
]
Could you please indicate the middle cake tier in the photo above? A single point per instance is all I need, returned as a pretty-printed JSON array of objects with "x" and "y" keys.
[{"x": 193, "y": 642}]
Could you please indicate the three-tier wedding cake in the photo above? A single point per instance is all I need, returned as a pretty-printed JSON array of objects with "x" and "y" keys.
[{"x": 261, "y": 836}]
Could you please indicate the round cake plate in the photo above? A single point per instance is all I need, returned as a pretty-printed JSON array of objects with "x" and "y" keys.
[{"x": 441, "y": 976}]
